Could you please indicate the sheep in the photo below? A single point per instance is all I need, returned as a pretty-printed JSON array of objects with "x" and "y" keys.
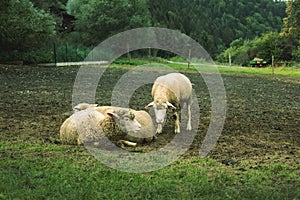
[
  {"x": 147, "y": 132},
  {"x": 69, "y": 133},
  {"x": 109, "y": 120},
  {"x": 90, "y": 125},
  {"x": 171, "y": 91}
]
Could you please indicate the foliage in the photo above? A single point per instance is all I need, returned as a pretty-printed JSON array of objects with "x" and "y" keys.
[
  {"x": 270, "y": 44},
  {"x": 97, "y": 20},
  {"x": 291, "y": 28},
  {"x": 57, "y": 8},
  {"x": 23, "y": 28},
  {"x": 68, "y": 52},
  {"x": 292, "y": 21},
  {"x": 283, "y": 46},
  {"x": 214, "y": 23}
]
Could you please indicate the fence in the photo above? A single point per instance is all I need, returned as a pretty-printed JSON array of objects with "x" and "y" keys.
[{"x": 63, "y": 52}]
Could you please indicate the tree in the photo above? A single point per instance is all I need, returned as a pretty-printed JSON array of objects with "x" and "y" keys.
[
  {"x": 96, "y": 20},
  {"x": 266, "y": 46},
  {"x": 292, "y": 21},
  {"x": 215, "y": 23},
  {"x": 57, "y": 8},
  {"x": 23, "y": 27},
  {"x": 291, "y": 29}
]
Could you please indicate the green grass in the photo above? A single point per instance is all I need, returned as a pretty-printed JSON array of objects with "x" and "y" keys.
[
  {"x": 281, "y": 71},
  {"x": 66, "y": 172}
]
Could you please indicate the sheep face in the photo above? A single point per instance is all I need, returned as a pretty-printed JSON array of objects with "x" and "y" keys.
[
  {"x": 126, "y": 121},
  {"x": 160, "y": 110}
]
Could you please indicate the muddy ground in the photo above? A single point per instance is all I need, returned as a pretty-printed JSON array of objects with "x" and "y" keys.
[{"x": 262, "y": 122}]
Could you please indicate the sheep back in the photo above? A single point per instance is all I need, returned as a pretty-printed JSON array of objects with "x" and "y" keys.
[
  {"x": 82, "y": 126},
  {"x": 173, "y": 87}
]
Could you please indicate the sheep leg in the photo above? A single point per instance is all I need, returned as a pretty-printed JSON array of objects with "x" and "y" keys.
[
  {"x": 177, "y": 123},
  {"x": 128, "y": 143},
  {"x": 189, "y": 126}
]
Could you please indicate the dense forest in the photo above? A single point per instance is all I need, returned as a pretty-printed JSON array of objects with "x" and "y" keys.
[{"x": 30, "y": 29}]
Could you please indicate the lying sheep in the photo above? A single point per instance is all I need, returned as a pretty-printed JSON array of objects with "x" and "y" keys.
[
  {"x": 147, "y": 131},
  {"x": 69, "y": 133},
  {"x": 90, "y": 126},
  {"x": 113, "y": 121},
  {"x": 171, "y": 91}
]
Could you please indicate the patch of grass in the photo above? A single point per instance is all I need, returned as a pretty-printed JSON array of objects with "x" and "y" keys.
[
  {"x": 281, "y": 71},
  {"x": 36, "y": 173},
  {"x": 285, "y": 71},
  {"x": 178, "y": 59}
]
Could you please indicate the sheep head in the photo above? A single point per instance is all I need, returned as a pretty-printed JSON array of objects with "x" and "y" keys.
[
  {"x": 160, "y": 109},
  {"x": 125, "y": 120}
]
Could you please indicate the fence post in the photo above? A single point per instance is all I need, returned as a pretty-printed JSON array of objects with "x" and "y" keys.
[
  {"x": 229, "y": 57},
  {"x": 54, "y": 53},
  {"x": 66, "y": 52},
  {"x": 272, "y": 65},
  {"x": 76, "y": 55},
  {"x": 189, "y": 61},
  {"x": 128, "y": 54}
]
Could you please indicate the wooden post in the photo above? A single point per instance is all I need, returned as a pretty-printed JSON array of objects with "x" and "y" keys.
[
  {"x": 54, "y": 53},
  {"x": 189, "y": 61},
  {"x": 66, "y": 52},
  {"x": 272, "y": 65},
  {"x": 229, "y": 57},
  {"x": 128, "y": 54},
  {"x": 76, "y": 55}
]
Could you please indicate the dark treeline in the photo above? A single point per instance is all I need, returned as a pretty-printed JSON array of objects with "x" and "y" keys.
[{"x": 29, "y": 29}]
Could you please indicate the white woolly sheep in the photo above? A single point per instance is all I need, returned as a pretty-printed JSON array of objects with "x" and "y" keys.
[
  {"x": 90, "y": 125},
  {"x": 147, "y": 131},
  {"x": 69, "y": 133},
  {"x": 171, "y": 91}
]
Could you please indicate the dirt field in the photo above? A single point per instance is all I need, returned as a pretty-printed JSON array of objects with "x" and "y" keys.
[{"x": 262, "y": 123}]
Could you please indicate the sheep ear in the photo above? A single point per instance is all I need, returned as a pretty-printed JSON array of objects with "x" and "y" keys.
[
  {"x": 150, "y": 105},
  {"x": 76, "y": 109},
  {"x": 113, "y": 115},
  {"x": 170, "y": 105}
]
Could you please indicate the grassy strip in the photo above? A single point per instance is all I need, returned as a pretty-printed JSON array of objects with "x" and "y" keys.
[
  {"x": 282, "y": 71},
  {"x": 66, "y": 172}
]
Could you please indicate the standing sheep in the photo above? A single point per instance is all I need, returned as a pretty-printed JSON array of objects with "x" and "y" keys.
[
  {"x": 90, "y": 125},
  {"x": 171, "y": 91}
]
